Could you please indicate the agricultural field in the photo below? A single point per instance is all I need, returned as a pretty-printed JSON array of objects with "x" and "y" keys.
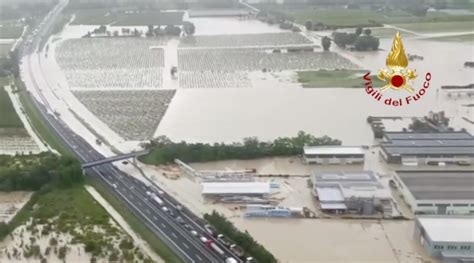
[
  {"x": 68, "y": 225},
  {"x": 133, "y": 114},
  {"x": 10, "y": 31},
  {"x": 5, "y": 50},
  {"x": 430, "y": 27},
  {"x": 335, "y": 79},
  {"x": 126, "y": 17},
  {"x": 459, "y": 38},
  {"x": 9, "y": 118},
  {"x": 257, "y": 60},
  {"x": 364, "y": 17},
  {"x": 208, "y": 79},
  {"x": 111, "y": 63},
  {"x": 13, "y": 136},
  {"x": 266, "y": 39}
]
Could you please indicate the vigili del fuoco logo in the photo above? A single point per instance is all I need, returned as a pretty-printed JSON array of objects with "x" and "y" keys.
[{"x": 397, "y": 78}]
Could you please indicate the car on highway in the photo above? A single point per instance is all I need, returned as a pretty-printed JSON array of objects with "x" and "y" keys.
[
  {"x": 188, "y": 227},
  {"x": 194, "y": 232},
  {"x": 180, "y": 220},
  {"x": 114, "y": 185},
  {"x": 165, "y": 209}
]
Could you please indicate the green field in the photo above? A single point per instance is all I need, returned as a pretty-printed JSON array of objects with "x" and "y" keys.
[
  {"x": 5, "y": 50},
  {"x": 74, "y": 211},
  {"x": 457, "y": 26},
  {"x": 8, "y": 32},
  {"x": 121, "y": 18},
  {"x": 381, "y": 32},
  {"x": 9, "y": 117},
  {"x": 345, "y": 17},
  {"x": 460, "y": 38},
  {"x": 335, "y": 79}
]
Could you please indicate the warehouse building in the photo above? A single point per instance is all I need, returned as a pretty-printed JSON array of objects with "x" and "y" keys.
[
  {"x": 357, "y": 192},
  {"x": 440, "y": 148},
  {"x": 333, "y": 155},
  {"x": 450, "y": 239},
  {"x": 222, "y": 189},
  {"x": 437, "y": 192}
]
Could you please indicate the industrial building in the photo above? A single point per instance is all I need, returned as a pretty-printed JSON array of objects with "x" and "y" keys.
[
  {"x": 450, "y": 239},
  {"x": 437, "y": 192},
  {"x": 222, "y": 189},
  {"x": 410, "y": 148},
  {"x": 359, "y": 192},
  {"x": 333, "y": 155}
]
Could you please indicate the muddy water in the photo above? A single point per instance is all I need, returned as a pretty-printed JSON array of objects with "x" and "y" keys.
[
  {"x": 277, "y": 109},
  {"x": 336, "y": 241}
]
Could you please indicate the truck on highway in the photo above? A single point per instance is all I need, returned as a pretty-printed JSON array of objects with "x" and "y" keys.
[
  {"x": 157, "y": 199},
  {"x": 230, "y": 260},
  {"x": 223, "y": 240},
  {"x": 216, "y": 248},
  {"x": 211, "y": 230},
  {"x": 237, "y": 250}
]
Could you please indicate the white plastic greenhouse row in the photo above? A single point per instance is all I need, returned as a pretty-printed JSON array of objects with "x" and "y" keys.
[
  {"x": 114, "y": 78},
  {"x": 265, "y": 39},
  {"x": 256, "y": 60},
  {"x": 207, "y": 79},
  {"x": 134, "y": 115}
]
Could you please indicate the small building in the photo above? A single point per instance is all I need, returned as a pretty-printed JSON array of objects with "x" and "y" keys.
[
  {"x": 450, "y": 239},
  {"x": 409, "y": 148},
  {"x": 333, "y": 155},
  {"x": 222, "y": 189},
  {"x": 437, "y": 192},
  {"x": 359, "y": 192}
]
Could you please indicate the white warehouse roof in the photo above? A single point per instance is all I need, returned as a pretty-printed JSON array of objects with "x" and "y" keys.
[
  {"x": 333, "y": 150},
  {"x": 445, "y": 229},
  {"x": 235, "y": 188}
]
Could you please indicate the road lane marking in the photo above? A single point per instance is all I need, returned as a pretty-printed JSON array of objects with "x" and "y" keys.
[
  {"x": 186, "y": 246},
  {"x": 175, "y": 236},
  {"x": 198, "y": 257},
  {"x": 163, "y": 225}
]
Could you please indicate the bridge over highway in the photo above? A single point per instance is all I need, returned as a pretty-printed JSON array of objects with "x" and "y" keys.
[{"x": 115, "y": 158}]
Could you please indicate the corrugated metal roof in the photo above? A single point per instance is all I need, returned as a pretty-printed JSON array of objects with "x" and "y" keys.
[
  {"x": 394, "y": 150},
  {"x": 333, "y": 206},
  {"x": 329, "y": 194},
  {"x": 235, "y": 188},
  {"x": 448, "y": 229},
  {"x": 427, "y": 135},
  {"x": 334, "y": 150},
  {"x": 439, "y": 185}
]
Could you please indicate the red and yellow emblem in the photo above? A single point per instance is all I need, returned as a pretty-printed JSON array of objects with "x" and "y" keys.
[{"x": 398, "y": 74}]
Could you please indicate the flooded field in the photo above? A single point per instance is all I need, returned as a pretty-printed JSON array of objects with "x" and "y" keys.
[
  {"x": 273, "y": 108},
  {"x": 336, "y": 241}
]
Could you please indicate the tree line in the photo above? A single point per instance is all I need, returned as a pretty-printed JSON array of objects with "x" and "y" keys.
[
  {"x": 243, "y": 240},
  {"x": 39, "y": 172},
  {"x": 361, "y": 39},
  {"x": 163, "y": 150}
]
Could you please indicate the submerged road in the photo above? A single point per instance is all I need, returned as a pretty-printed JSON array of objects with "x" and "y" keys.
[{"x": 130, "y": 191}]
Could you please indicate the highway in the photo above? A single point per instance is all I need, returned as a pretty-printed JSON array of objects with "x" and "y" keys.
[{"x": 130, "y": 191}]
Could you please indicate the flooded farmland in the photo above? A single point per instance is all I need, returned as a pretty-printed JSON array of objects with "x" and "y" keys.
[{"x": 274, "y": 108}]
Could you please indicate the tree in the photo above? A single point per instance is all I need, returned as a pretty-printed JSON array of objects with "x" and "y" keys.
[
  {"x": 189, "y": 28},
  {"x": 364, "y": 43},
  {"x": 172, "y": 30},
  {"x": 358, "y": 31},
  {"x": 367, "y": 32},
  {"x": 308, "y": 25},
  {"x": 326, "y": 43}
]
